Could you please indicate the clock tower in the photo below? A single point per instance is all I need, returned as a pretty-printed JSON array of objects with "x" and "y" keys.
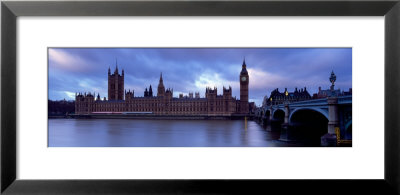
[{"x": 244, "y": 89}]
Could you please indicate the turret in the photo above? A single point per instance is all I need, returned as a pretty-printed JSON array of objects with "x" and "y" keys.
[
  {"x": 227, "y": 92},
  {"x": 129, "y": 95},
  {"x": 169, "y": 93},
  {"x": 150, "y": 92},
  {"x": 211, "y": 93}
]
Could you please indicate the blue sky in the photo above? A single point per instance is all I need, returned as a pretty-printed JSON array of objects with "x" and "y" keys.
[{"x": 193, "y": 69}]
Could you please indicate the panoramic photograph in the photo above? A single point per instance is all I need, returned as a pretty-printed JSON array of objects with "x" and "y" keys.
[{"x": 199, "y": 97}]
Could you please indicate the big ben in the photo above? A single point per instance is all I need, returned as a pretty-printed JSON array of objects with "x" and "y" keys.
[{"x": 244, "y": 89}]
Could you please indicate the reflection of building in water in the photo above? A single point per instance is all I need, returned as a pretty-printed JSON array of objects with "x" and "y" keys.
[{"x": 164, "y": 103}]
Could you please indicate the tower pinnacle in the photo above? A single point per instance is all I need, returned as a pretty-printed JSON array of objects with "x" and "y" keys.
[
  {"x": 116, "y": 66},
  {"x": 161, "y": 88}
]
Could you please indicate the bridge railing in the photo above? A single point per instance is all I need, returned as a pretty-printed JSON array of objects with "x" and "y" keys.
[
  {"x": 345, "y": 99},
  {"x": 309, "y": 101},
  {"x": 313, "y": 102},
  {"x": 341, "y": 100}
]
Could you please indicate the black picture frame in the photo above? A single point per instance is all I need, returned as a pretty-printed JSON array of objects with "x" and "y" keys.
[{"x": 10, "y": 10}]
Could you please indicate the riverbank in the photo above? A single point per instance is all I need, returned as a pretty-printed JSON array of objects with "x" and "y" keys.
[{"x": 155, "y": 117}]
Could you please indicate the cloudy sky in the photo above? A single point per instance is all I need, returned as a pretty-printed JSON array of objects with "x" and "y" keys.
[{"x": 192, "y": 69}]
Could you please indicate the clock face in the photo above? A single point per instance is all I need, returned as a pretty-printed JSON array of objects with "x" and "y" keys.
[{"x": 243, "y": 78}]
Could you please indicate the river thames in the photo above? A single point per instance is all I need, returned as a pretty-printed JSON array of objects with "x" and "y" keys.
[{"x": 160, "y": 133}]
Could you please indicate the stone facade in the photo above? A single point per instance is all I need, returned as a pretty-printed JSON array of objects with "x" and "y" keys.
[
  {"x": 329, "y": 93},
  {"x": 332, "y": 92},
  {"x": 164, "y": 103},
  {"x": 277, "y": 97}
]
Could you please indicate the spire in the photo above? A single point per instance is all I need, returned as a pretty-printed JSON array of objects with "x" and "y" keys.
[
  {"x": 146, "y": 93},
  {"x": 161, "y": 88},
  {"x": 150, "y": 91},
  {"x": 244, "y": 70},
  {"x": 109, "y": 70},
  {"x": 116, "y": 66}
]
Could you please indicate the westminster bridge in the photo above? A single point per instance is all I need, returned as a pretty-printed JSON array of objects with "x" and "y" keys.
[{"x": 317, "y": 119}]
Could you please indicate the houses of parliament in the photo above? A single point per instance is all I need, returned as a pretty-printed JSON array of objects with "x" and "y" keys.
[{"x": 122, "y": 101}]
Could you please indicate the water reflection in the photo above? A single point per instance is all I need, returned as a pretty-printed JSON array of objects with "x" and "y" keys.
[{"x": 160, "y": 133}]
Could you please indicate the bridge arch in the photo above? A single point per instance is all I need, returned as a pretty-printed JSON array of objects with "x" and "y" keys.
[
  {"x": 267, "y": 113},
  {"x": 277, "y": 113},
  {"x": 309, "y": 124},
  {"x": 319, "y": 110}
]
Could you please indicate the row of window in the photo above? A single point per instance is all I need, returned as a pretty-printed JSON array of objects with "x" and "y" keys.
[{"x": 181, "y": 109}]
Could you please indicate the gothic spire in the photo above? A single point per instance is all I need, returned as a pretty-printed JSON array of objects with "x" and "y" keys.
[
  {"x": 244, "y": 70},
  {"x": 161, "y": 88},
  {"x": 150, "y": 92}
]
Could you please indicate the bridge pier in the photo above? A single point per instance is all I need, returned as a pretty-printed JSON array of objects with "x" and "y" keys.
[
  {"x": 285, "y": 128},
  {"x": 329, "y": 139},
  {"x": 270, "y": 114},
  {"x": 262, "y": 120},
  {"x": 287, "y": 114}
]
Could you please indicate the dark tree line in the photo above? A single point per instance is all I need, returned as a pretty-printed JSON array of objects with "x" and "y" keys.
[{"x": 61, "y": 107}]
